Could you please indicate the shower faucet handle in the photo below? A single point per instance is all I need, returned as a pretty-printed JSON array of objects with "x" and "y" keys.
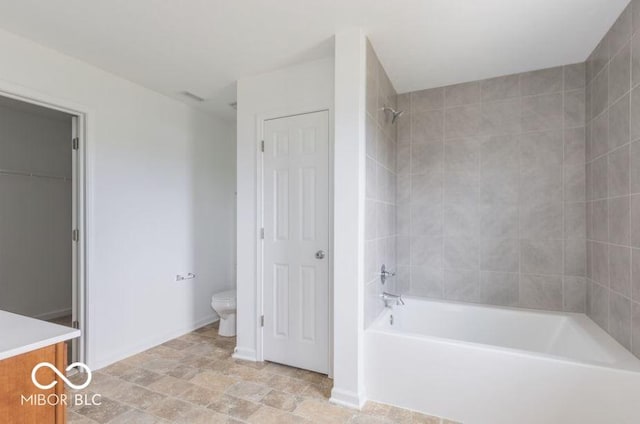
[
  {"x": 384, "y": 274},
  {"x": 391, "y": 299}
]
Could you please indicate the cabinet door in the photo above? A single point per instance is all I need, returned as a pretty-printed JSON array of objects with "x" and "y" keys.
[{"x": 16, "y": 387}]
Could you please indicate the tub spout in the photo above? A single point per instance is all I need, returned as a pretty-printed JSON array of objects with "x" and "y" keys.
[{"x": 391, "y": 299}]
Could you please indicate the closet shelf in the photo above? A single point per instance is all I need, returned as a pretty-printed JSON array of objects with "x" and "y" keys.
[{"x": 10, "y": 172}]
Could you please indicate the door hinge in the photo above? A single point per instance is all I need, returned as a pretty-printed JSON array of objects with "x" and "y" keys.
[
  {"x": 262, "y": 233},
  {"x": 75, "y": 235},
  {"x": 262, "y": 146},
  {"x": 75, "y": 324},
  {"x": 262, "y": 321},
  {"x": 75, "y": 143}
]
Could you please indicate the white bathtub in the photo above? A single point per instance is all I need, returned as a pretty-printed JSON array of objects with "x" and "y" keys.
[{"x": 490, "y": 365}]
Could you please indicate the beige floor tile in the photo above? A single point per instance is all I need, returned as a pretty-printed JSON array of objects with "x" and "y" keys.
[
  {"x": 373, "y": 408},
  {"x": 108, "y": 410},
  {"x": 203, "y": 363},
  {"x": 170, "y": 409},
  {"x": 281, "y": 400},
  {"x": 274, "y": 368},
  {"x": 221, "y": 366},
  {"x": 369, "y": 419},
  {"x": 137, "y": 397},
  {"x": 198, "y": 415},
  {"x": 190, "y": 337},
  {"x": 139, "y": 359},
  {"x": 166, "y": 353},
  {"x": 105, "y": 385},
  {"x": 317, "y": 391},
  {"x": 138, "y": 417},
  {"x": 425, "y": 419},
  {"x": 170, "y": 386},
  {"x": 400, "y": 416},
  {"x": 200, "y": 396},
  {"x": 212, "y": 332},
  {"x": 268, "y": 415},
  {"x": 256, "y": 365},
  {"x": 248, "y": 390},
  {"x": 117, "y": 369},
  {"x": 75, "y": 418},
  {"x": 161, "y": 365},
  {"x": 202, "y": 349},
  {"x": 234, "y": 407},
  {"x": 183, "y": 372},
  {"x": 319, "y": 411},
  {"x": 193, "y": 379},
  {"x": 242, "y": 372},
  {"x": 141, "y": 376},
  {"x": 178, "y": 344},
  {"x": 213, "y": 380},
  {"x": 311, "y": 377},
  {"x": 286, "y": 384}
]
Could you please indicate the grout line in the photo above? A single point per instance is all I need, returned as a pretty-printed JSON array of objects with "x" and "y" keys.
[
  {"x": 518, "y": 230},
  {"x": 607, "y": 110},
  {"x": 630, "y": 173},
  {"x": 442, "y": 201},
  {"x": 564, "y": 194},
  {"x": 410, "y": 217}
]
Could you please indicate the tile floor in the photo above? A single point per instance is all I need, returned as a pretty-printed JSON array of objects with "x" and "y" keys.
[{"x": 193, "y": 379}]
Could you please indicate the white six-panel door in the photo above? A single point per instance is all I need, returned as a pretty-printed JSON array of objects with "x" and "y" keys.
[{"x": 296, "y": 241}]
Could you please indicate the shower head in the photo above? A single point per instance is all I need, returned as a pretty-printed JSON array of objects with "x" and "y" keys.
[{"x": 395, "y": 114}]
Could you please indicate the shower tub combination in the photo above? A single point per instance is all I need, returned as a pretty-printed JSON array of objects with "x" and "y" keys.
[{"x": 491, "y": 365}]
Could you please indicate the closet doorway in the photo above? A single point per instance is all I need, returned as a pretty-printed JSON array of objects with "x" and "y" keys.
[{"x": 39, "y": 225}]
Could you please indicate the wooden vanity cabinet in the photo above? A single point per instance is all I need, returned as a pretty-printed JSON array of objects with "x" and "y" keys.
[{"x": 16, "y": 387}]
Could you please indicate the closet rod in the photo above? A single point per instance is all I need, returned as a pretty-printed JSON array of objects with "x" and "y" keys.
[{"x": 31, "y": 174}]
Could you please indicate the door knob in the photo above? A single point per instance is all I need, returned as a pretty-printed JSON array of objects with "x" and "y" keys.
[{"x": 320, "y": 254}]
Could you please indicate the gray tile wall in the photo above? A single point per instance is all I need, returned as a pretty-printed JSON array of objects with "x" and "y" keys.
[
  {"x": 380, "y": 208},
  {"x": 491, "y": 191},
  {"x": 613, "y": 180}
]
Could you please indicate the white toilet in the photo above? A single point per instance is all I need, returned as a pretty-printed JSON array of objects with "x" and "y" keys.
[{"x": 224, "y": 303}]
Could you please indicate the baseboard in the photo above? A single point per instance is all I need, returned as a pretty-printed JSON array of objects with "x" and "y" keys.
[
  {"x": 245, "y": 354},
  {"x": 54, "y": 314},
  {"x": 150, "y": 343},
  {"x": 347, "y": 398}
]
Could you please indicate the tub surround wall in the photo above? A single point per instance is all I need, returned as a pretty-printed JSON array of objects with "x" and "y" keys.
[
  {"x": 380, "y": 207},
  {"x": 491, "y": 191},
  {"x": 613, "y": 180}
]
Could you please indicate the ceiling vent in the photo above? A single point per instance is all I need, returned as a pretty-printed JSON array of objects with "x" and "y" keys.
[{"x": 192, "y": 96}]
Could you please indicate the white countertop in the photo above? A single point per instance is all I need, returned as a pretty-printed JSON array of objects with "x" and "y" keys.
[{"x": 20, "y": 334}]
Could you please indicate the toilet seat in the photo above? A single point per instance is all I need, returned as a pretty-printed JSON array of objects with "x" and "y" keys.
[{"x": 225, "y": 296}]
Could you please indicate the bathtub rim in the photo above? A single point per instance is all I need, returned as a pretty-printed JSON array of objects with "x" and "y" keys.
[{"x": 627, "y": 363}]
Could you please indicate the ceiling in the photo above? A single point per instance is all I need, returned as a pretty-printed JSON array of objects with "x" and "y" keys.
[{"x": 204, "y": 46}]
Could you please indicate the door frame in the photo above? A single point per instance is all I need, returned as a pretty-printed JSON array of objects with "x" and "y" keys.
[
  {"x": 83, "y": 193},
  {"x": 260, "y": 120}
]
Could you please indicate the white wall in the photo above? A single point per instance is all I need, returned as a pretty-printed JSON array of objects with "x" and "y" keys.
[
  {"x": 349, "y": 216},
  {"x": 296, "y": 89},
  {"x": 161, "y": 180},
  {"x": 35, "y": 212}
]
